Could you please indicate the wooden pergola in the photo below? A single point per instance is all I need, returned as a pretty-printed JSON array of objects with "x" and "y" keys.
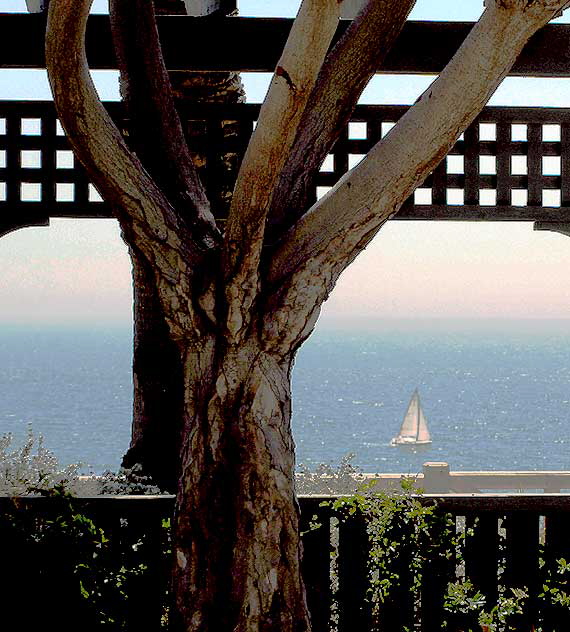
[{"x": 512, "y": 164}]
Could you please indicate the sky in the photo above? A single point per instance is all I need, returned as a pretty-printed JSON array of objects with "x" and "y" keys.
[{"x": 78, "y": 272}]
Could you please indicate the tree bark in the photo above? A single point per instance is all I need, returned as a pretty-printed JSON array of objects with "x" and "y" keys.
[
  {"x": 158, "y": 385},
  {"x": 237, "y": 544},
  {"x": 346, "y": 71},
  {"x": 157, "y": 368}
]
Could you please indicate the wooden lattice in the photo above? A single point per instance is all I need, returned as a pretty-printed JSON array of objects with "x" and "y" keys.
[{"x": 511, "y": 164}]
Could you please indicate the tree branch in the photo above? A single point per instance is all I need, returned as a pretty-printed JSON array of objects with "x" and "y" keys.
[
  {"x": 146, "y": 216},
  {"x": 157, "y": 131},
  {"x": 314, "y": 252},
  {"x": 347, "y": 69},
  {"x": 268, "y": 152}
]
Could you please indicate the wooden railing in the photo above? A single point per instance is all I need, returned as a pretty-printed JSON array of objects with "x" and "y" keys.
[{"x": 509, "y": 541}]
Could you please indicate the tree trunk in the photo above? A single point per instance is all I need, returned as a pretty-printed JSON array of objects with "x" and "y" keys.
[
  {"x": 237, "y": 543},
  {"x": 158, "y": 385},
  {"x": 157, "y": 369}
]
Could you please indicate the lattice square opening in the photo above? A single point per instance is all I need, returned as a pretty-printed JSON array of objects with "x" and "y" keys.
[
  {"x": 487, "y": 131},
  {"x": 328, "y": 164},
  {"x": 551, "y": 165},
  {"x": 94, "y": 194},
  {"x": 487, "y": 165},
  {"x": 2, "y": 159},
  {"x": 422, "y": 196},
  {"x": 59, "y": 129},
  {"x": 65, "y": 192},
  {"x": 551, "y": 132},
  {"x": 455, "y": 197},
  {"x": 487, "y": 197},
  {"x": 31, "y": 159},
  {"x": 322, "y": 191},
  {"x": 63, "y": 159},
  {"x": 31, "y": 127},
  {"x": 456, "y": 165},
  {"x": 551, "y": 197},
  {"x": 2, "y": 192},
  {"x": 519, "y": 197},
  {"x": 2, "y": 126},
  {"x": 519, "y": 166},
  {"x": 357, "y": 130},
  {"x": 518, "y": 132},
  {"x": 30, "y": 192},
  {"x": 354, "y": 159},
  {"x": 386, "y": 127}
]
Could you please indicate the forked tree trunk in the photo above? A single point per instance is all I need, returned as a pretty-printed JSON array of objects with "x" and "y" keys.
[
  {"x": 239, "y": 306},
  {"x": 157, "y": 369},
  {"x": 237, "y": 545}
]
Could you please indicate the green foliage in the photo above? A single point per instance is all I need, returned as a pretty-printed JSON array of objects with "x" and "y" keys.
[
  {"x": 64, "y": 551},
  {"x": 555, "y": 586},
  {"x": 413, "y": 544},
  {"x": 62, "y": 557},
  {"x": 406, "y": 536},
  {"x": 325, "y": 479},
  {"x": 32, "y": 468},
  {"x": 464, "y": 600}
]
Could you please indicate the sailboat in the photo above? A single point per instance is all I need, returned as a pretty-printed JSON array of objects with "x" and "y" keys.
[{"x": 414, "y": 430}]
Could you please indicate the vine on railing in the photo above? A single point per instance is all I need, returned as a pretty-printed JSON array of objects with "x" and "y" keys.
[{"x": 411, "y": 541}]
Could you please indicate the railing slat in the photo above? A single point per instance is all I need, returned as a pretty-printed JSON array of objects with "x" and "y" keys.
[
  {"x": 439, "y": 570},
  {"x": 522, "y": 566},
  {"x": 316, "y": 563},
  {"x": 145, "y": 601},
  {"x": 481, "y": 554},
  {"x": 556, "y": 547},
  {"x": 353, "y": 549},
  {"x": 397, "y": 612}
]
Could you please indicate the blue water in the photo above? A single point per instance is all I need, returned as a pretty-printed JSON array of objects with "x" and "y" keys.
[{"x": 492, "y": 400}]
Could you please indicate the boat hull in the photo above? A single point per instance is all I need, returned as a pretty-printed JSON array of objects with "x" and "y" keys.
[{"x": 411, "y": 442}]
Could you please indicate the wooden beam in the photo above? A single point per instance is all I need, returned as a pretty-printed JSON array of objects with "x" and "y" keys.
[
  {"x": 472, "y": 213},
  {"x": 562, "y": 227},
  {"x": 22, "y": 220},
  {"x": 254, "y": 44}
]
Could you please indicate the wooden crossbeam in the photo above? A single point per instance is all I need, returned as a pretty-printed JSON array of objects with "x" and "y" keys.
[{"x": 255, "y": 44}]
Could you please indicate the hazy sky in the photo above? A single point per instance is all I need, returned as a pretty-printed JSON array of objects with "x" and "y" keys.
[{"x": 78, "y": 271}]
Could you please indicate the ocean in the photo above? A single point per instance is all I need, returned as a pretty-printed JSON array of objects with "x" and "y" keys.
[{"x": 494, "y": 400}]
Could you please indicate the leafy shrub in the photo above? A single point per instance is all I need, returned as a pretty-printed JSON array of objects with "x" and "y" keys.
[
  {"x": 32, "y": 469},
  {"x": 415, "y": 560},
  {"x": 61, "y": 556}
]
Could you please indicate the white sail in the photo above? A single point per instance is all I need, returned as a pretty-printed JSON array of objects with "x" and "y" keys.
[
  {"x": 423, "y": 432},
  {"x": 414, "y": 428},
  {"x": 411, "y": 418}
]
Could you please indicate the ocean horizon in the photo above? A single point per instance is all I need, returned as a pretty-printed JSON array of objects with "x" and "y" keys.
[{"x": 496, "y": 394}]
